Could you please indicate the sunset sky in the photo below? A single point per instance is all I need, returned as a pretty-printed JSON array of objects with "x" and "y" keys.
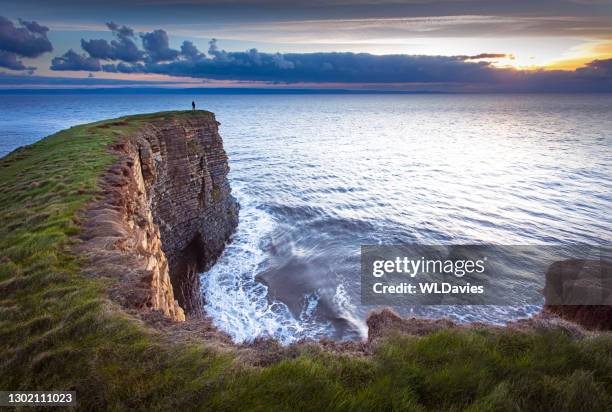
[{"x": 453, "y": 45}]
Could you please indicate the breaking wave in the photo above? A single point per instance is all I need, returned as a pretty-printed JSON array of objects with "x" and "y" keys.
[{"x": 237, "y": 302}]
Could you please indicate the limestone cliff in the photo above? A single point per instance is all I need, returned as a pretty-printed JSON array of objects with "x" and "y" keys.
[{"x": 165, "y": 214}]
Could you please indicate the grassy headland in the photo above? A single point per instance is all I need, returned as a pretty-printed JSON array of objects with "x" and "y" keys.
[{"x": 59, "y": 330}]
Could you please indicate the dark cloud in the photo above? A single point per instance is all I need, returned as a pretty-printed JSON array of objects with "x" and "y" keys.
[
  {"x": 190, "y": 51},
  {"x": 124, "y": 68},
  {"x": 98, "y": 48},
  {"x": 34, "y": 27},
  {"x": 28, "y": 39},
  {"x": 218, "y": 54},
  {"x": 599, "y": 68},
  {"x": 352, "y": 68},
  {"x": 122, "y": 48},
  {"x": 566, "y": 17},
  {"x": 10, "y": 61},
  {"x": 250, "y": 58},
  {"x": 467, "y": 72},
  {"x": 488, "y": 56},
  {"x": 74, "y": 61},
  {"x": 156, "y": 45},
  {"x": 122, "y": 32},
  {"x": 327, "y": 67}
]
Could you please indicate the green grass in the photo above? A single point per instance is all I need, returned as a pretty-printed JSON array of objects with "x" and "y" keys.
[{"x": 59, "y": 331}]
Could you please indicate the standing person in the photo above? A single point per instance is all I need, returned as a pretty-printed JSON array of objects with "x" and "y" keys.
[{"x": 193, "y": 105}]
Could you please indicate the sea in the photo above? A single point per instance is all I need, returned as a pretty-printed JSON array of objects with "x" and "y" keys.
[{"x": 320, "y": 175}]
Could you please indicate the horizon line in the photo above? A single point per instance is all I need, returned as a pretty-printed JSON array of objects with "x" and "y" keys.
[{"x": 255, "y": 91}]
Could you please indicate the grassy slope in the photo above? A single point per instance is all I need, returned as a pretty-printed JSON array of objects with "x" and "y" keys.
[{"x": 58, "y": 330}]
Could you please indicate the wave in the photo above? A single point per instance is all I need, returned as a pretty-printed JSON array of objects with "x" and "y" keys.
[
  {"x": 237, "y": 302},
  {"x": 346, "y": 310}
]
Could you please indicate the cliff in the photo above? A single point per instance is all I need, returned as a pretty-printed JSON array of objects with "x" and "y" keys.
[{"x": 165, "y": 214}]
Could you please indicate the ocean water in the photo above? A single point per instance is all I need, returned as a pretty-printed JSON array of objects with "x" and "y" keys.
[{"x": 318, "y": 176}]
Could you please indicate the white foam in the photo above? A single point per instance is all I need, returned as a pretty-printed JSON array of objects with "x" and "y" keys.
[
  {"x": 347, "y": 310},
  {"x": 237, "y": 302},
  {"x": 311, "y": 300}
]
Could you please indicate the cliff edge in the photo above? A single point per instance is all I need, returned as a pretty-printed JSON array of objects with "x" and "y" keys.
[{"x": 165, "y": 213}]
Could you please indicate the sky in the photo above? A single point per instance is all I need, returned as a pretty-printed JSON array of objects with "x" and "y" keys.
[{"x": 414, "y": 45}]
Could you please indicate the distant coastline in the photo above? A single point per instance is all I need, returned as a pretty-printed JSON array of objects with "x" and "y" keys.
[
  {"x": 128, "y": 90},
  {"x": 202, "y": 90}
]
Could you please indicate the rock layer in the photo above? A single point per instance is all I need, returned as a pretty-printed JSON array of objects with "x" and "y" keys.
[{"x": 165, "y": 215}]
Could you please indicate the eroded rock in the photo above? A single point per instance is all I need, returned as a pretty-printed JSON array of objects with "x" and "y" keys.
[
  {"x": 573, "y": 281},
  {"x": 165, "y": 214}
]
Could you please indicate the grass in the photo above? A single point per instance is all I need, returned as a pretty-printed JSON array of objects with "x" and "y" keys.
[{"x": 59, "y": 331}]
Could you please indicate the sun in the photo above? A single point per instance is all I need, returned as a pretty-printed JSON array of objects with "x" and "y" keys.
[{"x": 522, "y": 62}]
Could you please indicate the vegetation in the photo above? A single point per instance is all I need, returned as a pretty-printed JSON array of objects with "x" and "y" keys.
[{"x": 58, "y": 330}]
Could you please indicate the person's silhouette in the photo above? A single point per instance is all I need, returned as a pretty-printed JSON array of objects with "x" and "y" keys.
[{"x": 193, "y": 105}]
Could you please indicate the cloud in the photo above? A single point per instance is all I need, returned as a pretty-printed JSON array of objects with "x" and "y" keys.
[
  {"x": 190, "y": 51},
  {"x": 156, "y": 45},
  {"x": 98, "y": 48},
  {"x": 74, "y": 61},
  {"x": 34, "y": 27},
  {"x": 274, "y": 19},
  {"x": 9, "y": 60},
  {"x": 599, "y": 68},
  {"x": 27, "y": 39},
  {"x": 122, "y": 48},
  {"x": 485, "y": 56},
  {"x": 124, "y": 68},
  {"x": 218, "y": 54},
  {"x": 124, "y": 33},
  {"x": 327, "y": 67},
  {"x": 16, "y": 80},
  {"x": 470, "y": 72}
]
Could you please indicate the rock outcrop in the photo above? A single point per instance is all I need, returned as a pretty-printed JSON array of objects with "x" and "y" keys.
[
  {"x": 165, "y": 215},
  {"x": 573, "y": 282}
]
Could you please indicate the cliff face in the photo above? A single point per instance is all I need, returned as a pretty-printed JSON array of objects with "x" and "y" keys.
[{"x": 165, "y": 215}]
